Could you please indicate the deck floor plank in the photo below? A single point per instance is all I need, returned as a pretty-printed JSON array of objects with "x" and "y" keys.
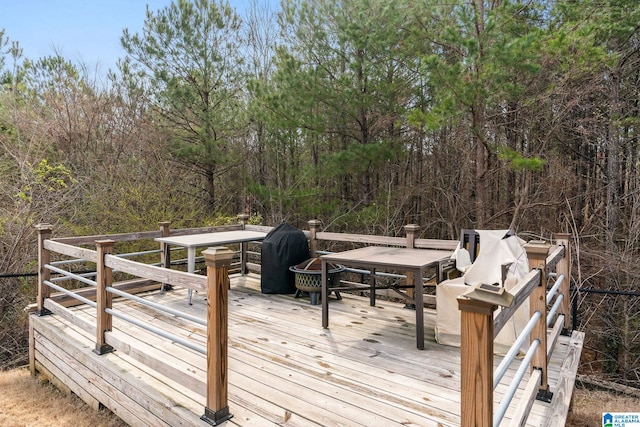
[{"x": 369, "y": 380}]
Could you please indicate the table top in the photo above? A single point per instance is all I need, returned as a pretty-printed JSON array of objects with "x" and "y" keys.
[
  {"x": 211, "y": 239},
  {"x": 384, "y": 256}
]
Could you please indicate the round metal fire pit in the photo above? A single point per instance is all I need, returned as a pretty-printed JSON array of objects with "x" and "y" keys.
[{"x": 308, "y": 277}]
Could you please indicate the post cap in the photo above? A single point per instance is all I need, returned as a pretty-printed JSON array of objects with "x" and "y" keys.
[
  {"x": 485, "y": 308},
  {"x": 411, "y": 227},
  {"x": 537, "y": 248},
  {"x": 217, "y": 255}
]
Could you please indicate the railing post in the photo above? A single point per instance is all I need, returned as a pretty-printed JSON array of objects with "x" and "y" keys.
[
  {"x": 217, "y": 260},
  {"x": 564, "y": 268},
  {"x": 537, "y": 251},
  {"x": 243, "y": 245},
  {"x": 476, "y": 354},
  {"x": 165, "y": 255},
  {"x": 410, "y": 231},
  {"x": 44, "y": 274},
  {"x": 104, "y": 299},
  {"x": 244, "y": 218},
  {"x": 314, "y": 226}
]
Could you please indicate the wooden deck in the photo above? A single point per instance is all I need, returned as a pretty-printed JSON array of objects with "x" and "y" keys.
[{"x": 284, "y": 369}]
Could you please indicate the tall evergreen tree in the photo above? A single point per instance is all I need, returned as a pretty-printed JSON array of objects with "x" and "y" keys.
[
  {"x": 479, "y": 58},
  {"x": 341, "y": 87},
  {"x": 187, "y": 58}
]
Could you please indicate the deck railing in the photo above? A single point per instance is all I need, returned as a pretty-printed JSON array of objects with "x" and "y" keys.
[
  {"x": 99, "y": 294},
  {"x": 480, "y": 320},
  {"x": 409, "y": 241},
  {"x": 481, "y": 324}
]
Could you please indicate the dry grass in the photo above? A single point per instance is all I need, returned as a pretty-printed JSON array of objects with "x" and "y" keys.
[
  {"x": 28, "y": 401},
  {"x": 588, "y": 405}
]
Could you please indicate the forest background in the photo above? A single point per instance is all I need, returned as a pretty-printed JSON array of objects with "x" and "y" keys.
[{"x": 366, "y": 114}]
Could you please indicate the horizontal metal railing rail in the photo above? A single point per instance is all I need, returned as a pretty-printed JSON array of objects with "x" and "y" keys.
[
  {"x": 64, "y": 278},
  {"x": 515, "y": 383},
  {"x": 554, "y": 310},
  {"x": 367, "y": 239},
  {"x": 71, "y": 294},
  {"x": 157, "y": 331},
  {"x": 554, "y": 289},
  {"x": 67, "y": 275},
  {"x": 514, "y": 349},
  {"x": 158, "y": 307},
  {"x": 139, "y": 253},
  {"x": 71, "y": 275}
]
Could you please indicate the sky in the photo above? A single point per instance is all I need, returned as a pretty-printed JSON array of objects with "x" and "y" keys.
[{"x": 82, "y": 31}]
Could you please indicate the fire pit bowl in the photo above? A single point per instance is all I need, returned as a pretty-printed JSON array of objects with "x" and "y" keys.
[{"x": 308, "y": 278}]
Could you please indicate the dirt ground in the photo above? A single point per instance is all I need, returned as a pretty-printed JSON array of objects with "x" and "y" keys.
[
  {"x": 28, "y": 401},
  {"x": 588, "y": 405}
]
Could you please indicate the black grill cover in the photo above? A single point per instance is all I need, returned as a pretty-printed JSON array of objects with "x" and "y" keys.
[{"x": 283, "y": 247}]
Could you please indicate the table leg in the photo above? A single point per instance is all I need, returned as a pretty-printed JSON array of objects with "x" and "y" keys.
[
  {"x": 165, "y": 260},
  {"x": 191, "y": 266},
  {"x": 243, "y": 258},
  {"x": 372, "y": 287},
  {"x": 324, "y": 295},
  {"x": 418, "y": 301},
  {"x": 410, "y": 291}
]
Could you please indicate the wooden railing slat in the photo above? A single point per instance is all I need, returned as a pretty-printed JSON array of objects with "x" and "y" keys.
[
  {"x": 521, "y": 293},
  {"x": 361, "y": 238},
  {"x": 70, "y": 250},
  {"x": 120, "y": 237},
  {"x": 158, "y": 274},
  {"x": 557, "y": 253}
]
